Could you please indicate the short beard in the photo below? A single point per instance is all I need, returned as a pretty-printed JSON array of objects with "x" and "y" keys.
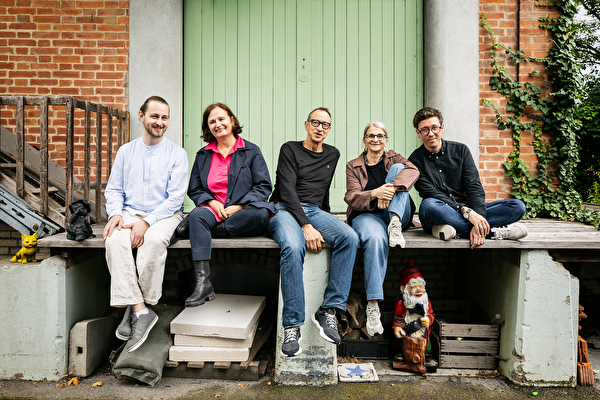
[
  {"x": 412, "y": 301},
  {"x": 154, "y": 135}
]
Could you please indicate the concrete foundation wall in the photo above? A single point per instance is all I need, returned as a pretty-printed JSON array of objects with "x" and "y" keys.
[
  {"x": 538, "y": 301},
  {"x": 317, "y": 364},
  {"x": 40, "y": 304}
]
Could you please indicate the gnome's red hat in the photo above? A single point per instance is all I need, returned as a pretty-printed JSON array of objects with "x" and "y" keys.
[{"x": 410, "y": 272}]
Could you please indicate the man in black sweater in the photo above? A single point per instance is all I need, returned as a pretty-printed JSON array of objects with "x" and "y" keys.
[
  {"x": 304, "y": 173},
  {"x": 453, "y": 197}
]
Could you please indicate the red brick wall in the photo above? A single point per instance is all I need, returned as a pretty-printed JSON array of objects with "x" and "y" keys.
[
  {"x": 495, "y": 145},
  {"x": 63, "y": 48}
]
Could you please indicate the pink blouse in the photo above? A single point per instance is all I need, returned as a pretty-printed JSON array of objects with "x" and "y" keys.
[{"x": 219, "y": 171}]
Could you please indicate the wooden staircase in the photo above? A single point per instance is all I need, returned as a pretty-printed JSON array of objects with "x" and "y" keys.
[{"x": 35, "y": 192}]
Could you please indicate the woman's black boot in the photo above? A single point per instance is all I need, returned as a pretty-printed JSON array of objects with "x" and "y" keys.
[{"x": 204, "y": 289}]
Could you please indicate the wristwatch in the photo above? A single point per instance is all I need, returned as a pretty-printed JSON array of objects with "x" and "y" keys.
[{"x": 466, "y": 213}]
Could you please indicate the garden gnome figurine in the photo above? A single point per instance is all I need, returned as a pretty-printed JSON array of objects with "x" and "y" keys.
[
  {"x": 412, "y": 322},
  {"x": 78, "y": 225}
]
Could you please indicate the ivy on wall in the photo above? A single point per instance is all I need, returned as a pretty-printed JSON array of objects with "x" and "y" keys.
[{"x": 551, "y": 118}]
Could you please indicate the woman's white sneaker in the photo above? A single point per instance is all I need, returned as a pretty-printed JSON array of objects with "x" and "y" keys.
[{"x": 374, "y": 320}]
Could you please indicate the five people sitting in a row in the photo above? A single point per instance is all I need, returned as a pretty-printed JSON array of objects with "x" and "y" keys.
[{"x": 230, "y": 187}]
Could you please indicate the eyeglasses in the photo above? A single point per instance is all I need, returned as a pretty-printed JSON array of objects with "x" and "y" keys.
[
  {"x": 371, "y": 137},
  {"x": 315, "y": 123},
  {"x": 434, "y": 129}
]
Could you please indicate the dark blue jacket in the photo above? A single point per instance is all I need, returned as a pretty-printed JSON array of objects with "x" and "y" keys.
[{"x": 248, "y": 181}]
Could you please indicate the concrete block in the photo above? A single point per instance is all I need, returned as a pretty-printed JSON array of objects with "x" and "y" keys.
[
  {"x": 37, "y": 346},
  {"x": 317, "y": 364},
  {"x": 538, "y": 300},
  {"x": 197, "y": 354},
  {"x": 90, "y": 343},
  {"x": 227, "y": 316},
  {"x": 205, "y": 341}
]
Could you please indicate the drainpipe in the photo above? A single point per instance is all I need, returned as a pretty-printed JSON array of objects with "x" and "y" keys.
[{"x": 518, "y": 36}]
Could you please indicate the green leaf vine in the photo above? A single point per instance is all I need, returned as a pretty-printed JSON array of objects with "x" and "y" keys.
[{"x": 551, "y": 118}]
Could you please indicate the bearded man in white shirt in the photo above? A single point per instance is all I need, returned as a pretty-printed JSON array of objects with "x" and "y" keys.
[{"x": 144, "y": 202}]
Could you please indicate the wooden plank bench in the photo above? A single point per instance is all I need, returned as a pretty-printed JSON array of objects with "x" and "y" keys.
[{"x": 544, "y": 234}]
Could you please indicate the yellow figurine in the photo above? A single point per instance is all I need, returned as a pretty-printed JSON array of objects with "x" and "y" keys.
[{"x": 27, "y": 252}]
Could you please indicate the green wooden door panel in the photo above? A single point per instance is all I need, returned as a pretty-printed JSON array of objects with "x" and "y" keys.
[{"x": 272, "y": 61}]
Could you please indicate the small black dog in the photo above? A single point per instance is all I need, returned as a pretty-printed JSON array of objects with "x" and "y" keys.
[{"x": 78, "y": 225}]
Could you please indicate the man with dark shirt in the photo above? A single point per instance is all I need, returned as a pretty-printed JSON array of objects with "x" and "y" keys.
[
  {"x": 453, "y": 197},
  {"x": 304, "y": 173}
]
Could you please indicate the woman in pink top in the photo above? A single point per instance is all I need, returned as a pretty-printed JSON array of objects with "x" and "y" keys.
[{"x": 230, "y": 186}]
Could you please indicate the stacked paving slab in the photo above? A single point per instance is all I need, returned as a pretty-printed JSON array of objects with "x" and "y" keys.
[{"x": 219, "y": 330}]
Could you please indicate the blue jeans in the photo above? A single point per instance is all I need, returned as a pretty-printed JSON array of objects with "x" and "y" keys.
[
  {"x": 499, "y": 213},
  {"x": 284, "y": 229},
  {"x": 249, "y": 221},
  {"x": 372, "y": 232}
]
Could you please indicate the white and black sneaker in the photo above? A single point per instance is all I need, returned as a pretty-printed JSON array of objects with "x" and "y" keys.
[
  {"x": 444, "y": 232},
  {"x": 291, "y": 341},
  {"x": 326, "y": 321},
  {"x": 511, "y": 232}
]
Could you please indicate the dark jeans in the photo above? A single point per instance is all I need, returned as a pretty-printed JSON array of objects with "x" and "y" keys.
[
  {"x": 249, "y": 221},
  {"x": 499, "y": 213}
]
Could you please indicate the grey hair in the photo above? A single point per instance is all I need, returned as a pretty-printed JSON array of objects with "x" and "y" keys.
[{"x": 376, "y": 124}]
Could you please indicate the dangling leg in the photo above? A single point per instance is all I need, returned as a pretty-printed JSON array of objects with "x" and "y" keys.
[{"x": 201, "y": 223}]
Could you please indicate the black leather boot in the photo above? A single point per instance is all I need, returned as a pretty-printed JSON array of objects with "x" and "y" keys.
[
  {"x": 219, "y": 231},
  {"x": 204, "y": 289}
]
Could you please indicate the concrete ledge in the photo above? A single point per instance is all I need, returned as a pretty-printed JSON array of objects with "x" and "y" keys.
[
  {"x": 40, "y": 304},
  {"x": 317, "y": 364}
]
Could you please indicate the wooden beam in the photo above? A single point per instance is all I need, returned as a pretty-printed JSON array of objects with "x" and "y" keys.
[
  {"x": 20, "y": 147},
  {"x": 44, "y": 155}
]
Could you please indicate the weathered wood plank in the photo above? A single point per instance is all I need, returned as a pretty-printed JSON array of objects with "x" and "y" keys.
[
  {"x": 98, "y": 178},
  {"x": 222, "y": 364},
  {"x": 86, "y": 150},
  {"x": 468, "y": 330},
  {"x": 20, "y": 189},
  {"x": 469, "y": 346},
  {"x": 70, "y": 141},
  {"x": 44, "y": 192},
  {"x": 467, "y": 362},
  {"x": 208, "y": 371},
  {"x": 415, "y": 239}
]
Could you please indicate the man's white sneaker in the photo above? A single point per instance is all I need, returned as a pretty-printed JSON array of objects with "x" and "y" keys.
[
  {"x": 374, "y": 320},
  {"x": 444, "y": 232},
  {"x": 511, "y": 232},
  {"x": 394, "y": 231}
]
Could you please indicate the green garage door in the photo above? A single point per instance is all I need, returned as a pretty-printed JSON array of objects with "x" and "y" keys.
[{"x": 272, "y": 61}]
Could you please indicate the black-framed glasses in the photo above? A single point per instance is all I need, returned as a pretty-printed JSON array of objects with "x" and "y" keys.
[
  {"x": 372, "y": 138},
  {"x": 315, "y": 123},
  {"x": 434, "y": 129}
]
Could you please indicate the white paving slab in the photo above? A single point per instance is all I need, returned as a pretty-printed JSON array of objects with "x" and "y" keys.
[
  {"x": 227, "y": 316},
  {"x": 205, "y": 341},
  {"x": 351, "y": 372},
  {"x": 189, "y": 353}
]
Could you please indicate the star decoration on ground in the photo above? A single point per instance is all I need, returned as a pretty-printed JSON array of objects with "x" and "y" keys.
[{"x": 357, "y": 371}]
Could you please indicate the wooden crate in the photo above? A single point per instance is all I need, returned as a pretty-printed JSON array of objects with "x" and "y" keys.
[{"x": 465, "y": 345}]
